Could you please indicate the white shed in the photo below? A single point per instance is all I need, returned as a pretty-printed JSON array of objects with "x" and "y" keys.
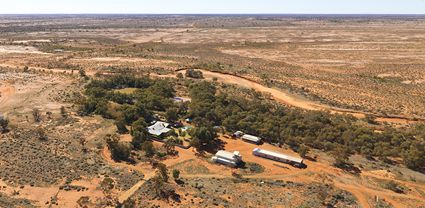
[
  {"x": 227, "y": 158},
  {"x": 251, "y": 138},
  {"x": 278, "y": 157}
]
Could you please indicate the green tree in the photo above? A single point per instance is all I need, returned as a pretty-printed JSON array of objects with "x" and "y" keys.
[
  {"x": 414, "y": 157},
  {"x": 4, "y": 123},
  {"x": 102, "y": 108},
  {"x": 140, "y": 133},
  {"x": 148, "y": 148},
  {"x": 119, "y": 150},
  {"x": 341, "y": 156},
  {"x": 194, "y": 74},
  {"x": 203, "y": 137},
  {"x": 303, "y": 150},
  {"x": 121, "y": 127},
  {"x": 176, "y": 174},
  {"x": 172, "y": 115},
  {"x": 163, "y": 172}
]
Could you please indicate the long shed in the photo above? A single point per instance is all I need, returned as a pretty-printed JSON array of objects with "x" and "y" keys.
[
  {"x": 251, "y": 139},
  {"x": 227, "y": 158},
  {"x": 295, "y": 161}
]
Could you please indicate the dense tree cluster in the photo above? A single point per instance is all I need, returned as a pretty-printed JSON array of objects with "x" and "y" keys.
[
  {"x": 151, "y": 95},
  {"x": 119, "y": 150},
  {"x": 134, "y": 110},
  {"x": 338, "y": 134}
]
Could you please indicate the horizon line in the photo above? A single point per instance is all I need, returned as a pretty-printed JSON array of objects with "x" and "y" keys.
[{"x": 112, "y": 13}]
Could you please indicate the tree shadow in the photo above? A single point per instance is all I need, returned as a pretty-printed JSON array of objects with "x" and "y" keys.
[
  {"x": 214, "y": 146},
  {"x": 350, "y": 168}
]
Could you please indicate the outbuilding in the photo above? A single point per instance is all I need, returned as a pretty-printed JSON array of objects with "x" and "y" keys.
[
  {"x": 227, "y": 158},
  {"x": 295, "y": 161},
  {"x": 238, "y": 134},
  {"x": 251, "y": 139}
]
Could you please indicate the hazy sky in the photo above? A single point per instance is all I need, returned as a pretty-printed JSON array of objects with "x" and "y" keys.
[{"x": 214, "y": 6}]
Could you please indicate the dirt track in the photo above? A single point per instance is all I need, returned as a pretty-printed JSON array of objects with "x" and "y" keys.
[
  {"x": 5, "y": 93},
  {"x": 292, "y": 100}
]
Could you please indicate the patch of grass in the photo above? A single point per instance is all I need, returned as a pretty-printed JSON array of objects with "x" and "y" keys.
[
  {"x": 394, "y": 186},
  {"x": 253, "y": 168},
  {"x": 191, "y": 167},
  {"x": 129, "y": 90}
]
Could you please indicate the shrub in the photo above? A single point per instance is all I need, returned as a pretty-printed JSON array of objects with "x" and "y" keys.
[
  {"x": 163, "y": 172},
  {"x": 36, "y": 115},
  {"x": 176, "y": 174},
  {"x": 192, "y": 73},
  {"x": 63, "y": 112},
  {"x": 41, "y": 134},
  {"x": 4, "y": 123},
  {"x": 393, "y": 186}
]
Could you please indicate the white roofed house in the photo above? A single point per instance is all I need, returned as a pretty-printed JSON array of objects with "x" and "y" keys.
[
  {"x": 159, "y": 128},
  {"x": 232, "y": 159}
]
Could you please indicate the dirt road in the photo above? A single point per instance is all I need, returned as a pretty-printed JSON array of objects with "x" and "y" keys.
[{"x": 5, "y": 93}]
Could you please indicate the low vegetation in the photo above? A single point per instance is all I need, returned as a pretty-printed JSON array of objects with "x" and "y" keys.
[{"x": 192, "y": 73}]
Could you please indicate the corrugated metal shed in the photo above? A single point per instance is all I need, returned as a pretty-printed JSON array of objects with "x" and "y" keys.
[
  {"x": 235, "y": 156},
  {"x": 276, "y": 156},
  {"x": 251, "y": 138},
  {"x": 224, "y": 161}
]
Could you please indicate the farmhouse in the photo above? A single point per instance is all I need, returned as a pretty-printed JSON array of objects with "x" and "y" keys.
[
  {"x": 159, "y": 128},
  {"x": 298, "y": 162},
  {"x": 227, "y": 158},
  {"x": 251, "y": 139}
]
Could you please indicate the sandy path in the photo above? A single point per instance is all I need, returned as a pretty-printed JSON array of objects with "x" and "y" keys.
[{"x": 5, "y": 93}]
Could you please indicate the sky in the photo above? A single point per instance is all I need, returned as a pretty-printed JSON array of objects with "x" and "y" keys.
[{"x": 213, "y": 6}]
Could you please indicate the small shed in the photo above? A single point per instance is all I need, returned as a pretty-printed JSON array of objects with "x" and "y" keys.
[
  {"x": 227, "y": 158},
  {"x": 251, "y": 139},
  {"x": 295, "y": 161},
  {"x": 238, "y": 134}
]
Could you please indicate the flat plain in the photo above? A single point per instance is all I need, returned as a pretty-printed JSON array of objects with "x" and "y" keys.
[{"x": 370, "y": 68}]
